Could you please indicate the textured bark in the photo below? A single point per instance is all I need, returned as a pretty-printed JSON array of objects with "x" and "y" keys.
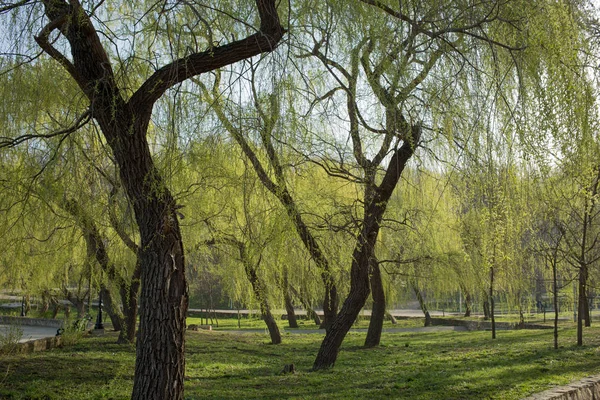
[
  {"x": 378, "y": 311},
  {"x": 160, "y": 363}
]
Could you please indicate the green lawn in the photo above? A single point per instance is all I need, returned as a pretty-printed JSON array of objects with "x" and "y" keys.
[{"x": 225, "y": 365}]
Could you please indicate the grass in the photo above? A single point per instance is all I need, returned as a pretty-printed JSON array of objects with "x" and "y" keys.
[
  {"x": 257, "y": 324},
  {"x": 227, "y": 365}
]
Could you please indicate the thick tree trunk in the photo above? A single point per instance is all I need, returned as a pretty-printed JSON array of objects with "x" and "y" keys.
[
  {"x": 160, "y": 362},
  {"x": 378, "y": 311},
  {"x": 359, "y": 291}
]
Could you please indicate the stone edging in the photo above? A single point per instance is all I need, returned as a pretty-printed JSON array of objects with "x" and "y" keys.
[
  {"x": 52, "y": 323},
  {"x": 585, "y": 389},
  {"x": 39, "y": 344}
]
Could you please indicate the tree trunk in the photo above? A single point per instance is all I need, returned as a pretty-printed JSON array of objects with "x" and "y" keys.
[
  {"x": 334, "y": 337},
  {"x": 289, "y": 308},
  {"x": 265, "y": 309},
  {"x": 486, "y": 308},
  {"x": 581, "y": 300},
  {"x": 129, "y": 298},
  {"x": 259, "y": 290},
  {"x": 468, "y": 301},
  {"x": 586, "y": 307},
  {"x": 492, "y": 316},
  {"x": 115, "y": 315},
  {"x": 364, "y": 253},
  {"x": 310, "y": 312},
  {"x": 330, "y": 303},
  {"x": 160, "y": 361},
  {"x": 392, "y": 319},
  {"x": 378, "y": 311},
  {"x": 421, "y": 301},
  {"x": 555, "y": 301}
]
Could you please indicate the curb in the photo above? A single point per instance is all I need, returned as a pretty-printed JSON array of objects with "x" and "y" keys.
[{"x": 584, "y": 389}]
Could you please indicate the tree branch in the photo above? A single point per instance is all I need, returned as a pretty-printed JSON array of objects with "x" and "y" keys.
[{"x": 195, "y": 64}]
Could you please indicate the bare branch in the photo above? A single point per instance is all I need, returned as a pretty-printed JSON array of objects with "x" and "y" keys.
[
  {"x": 80, "y": 122},
  {"x": 195, "y": 64}
]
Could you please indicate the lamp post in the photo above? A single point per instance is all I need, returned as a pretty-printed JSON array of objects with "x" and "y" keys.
[{"x": 99, "y": 318}]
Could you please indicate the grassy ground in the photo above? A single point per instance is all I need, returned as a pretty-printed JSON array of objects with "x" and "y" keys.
[{"x": 225, "y": 365}]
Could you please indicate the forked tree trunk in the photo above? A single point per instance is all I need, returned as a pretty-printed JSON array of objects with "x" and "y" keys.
[
  {"x": 160, "y": 362},
  {"x": 330, "y": 303},
  {"x": 364, "y": 254},
  {"x": 378, "y": 311}
]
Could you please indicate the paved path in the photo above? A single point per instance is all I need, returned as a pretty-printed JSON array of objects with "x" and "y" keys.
[
  {"x": 30, "y": 332},
  {"x": 388, "y": 330}
]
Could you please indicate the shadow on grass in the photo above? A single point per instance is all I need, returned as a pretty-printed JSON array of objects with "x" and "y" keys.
[{"x": 442, "y": 365}]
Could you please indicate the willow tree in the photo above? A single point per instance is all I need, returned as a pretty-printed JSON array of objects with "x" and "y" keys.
[
  {"x": 119, "y": 94},
  {"x": 401, "y": 72},
  {"x": 563, "y": 101}
]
